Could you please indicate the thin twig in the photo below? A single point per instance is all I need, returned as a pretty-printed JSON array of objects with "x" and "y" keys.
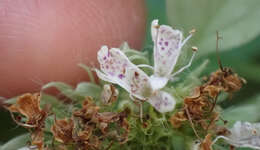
[
  {"x": 217, "y": 49},
  {"x": 192, "y": 125},
  {"x": 214, "y": 104}
]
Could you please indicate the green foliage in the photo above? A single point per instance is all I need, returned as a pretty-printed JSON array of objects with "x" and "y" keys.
[
  {"x": 82, "y": 90},
  {"x": 16, "y": 142},
  {"x": 237, "y": 20},
  {"x": 89, "y": 71},
  {"x": 243, "y": 111}
]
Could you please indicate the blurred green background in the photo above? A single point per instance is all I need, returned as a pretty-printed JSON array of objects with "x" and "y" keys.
[{"x": 238, "y": 22}]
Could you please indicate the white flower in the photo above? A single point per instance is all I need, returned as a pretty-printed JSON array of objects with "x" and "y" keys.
[
  {"x": 167, "y": 48},
  {"x": 118, "y": 69},
  {"x": 243, "y": 134}
]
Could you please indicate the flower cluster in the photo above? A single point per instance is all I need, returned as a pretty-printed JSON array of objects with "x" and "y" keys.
[
  {"x": 118, "y": 69},
  {"x": 105, "y": 116}
]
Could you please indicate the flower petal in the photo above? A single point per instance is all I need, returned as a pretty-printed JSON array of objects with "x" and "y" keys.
[
  {"x": 167, "y": 48},
  {"x": 162, "y": 102},
  {"x": 118, "y": 69},
  {"x": 243, "y": 134}
]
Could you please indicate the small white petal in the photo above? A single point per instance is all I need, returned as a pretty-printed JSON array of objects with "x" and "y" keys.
[
  {"x": 167, "y": 48},
  {"x": 162, "y": 102},
  {"x": 243, "y": 134},
  {"x": 158, "y": 82}
]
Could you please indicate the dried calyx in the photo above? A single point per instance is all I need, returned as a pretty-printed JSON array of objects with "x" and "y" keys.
[
  {"x": 199, "y": 108},
  {"x": 28, "y": 105},
  {"x": 88, "y": 127}
]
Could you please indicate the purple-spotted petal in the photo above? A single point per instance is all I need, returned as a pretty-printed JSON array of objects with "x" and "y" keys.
[
  {"x": 162, "y": 102},
  {"x": 118, "y": 69},
  {"x": 167, "y": 47}
]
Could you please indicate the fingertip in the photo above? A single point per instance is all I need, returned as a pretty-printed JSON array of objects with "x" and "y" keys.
[{"x": 44, "y": 41}]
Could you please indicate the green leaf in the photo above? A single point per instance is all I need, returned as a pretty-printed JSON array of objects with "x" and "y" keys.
[
  {"x": 247, "y": 111},
  {"x": 137, "y": 57},
  {"x": 65, "y": 89},
  {"x": 237, "y": 20},
  {"x": 88, "y": 89},
  {"x": 48, "y": 99},
  {"x": 16, "y": 143},
  {"x": 89, "y": 71},
  {"x": 57, "y": 106},
  {"x": 11, "y": 100}
]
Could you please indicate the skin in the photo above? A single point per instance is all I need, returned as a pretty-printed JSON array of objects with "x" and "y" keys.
[{"x": 44, "y": 40}]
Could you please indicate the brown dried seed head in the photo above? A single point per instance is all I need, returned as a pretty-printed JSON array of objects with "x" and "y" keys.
[
  {"x": 62, "y": 130},
  {"x": 85, "y": 134},
  {"x": 107, "y": 117},
  {"x": 197, "y": 106},
  {"x": 206, "y": 143},
  {"x": 88, "y": 112},
  {"x": 37, "y": 139},
  {"x": 220, "y": 130},
  {"x": 29, "y": 106},
  {"x": 232, "y": 83},
  {"x": 212, "y": 90},
  {"x": 109, "y": 94},
  {"x": 177, "y": 119}
]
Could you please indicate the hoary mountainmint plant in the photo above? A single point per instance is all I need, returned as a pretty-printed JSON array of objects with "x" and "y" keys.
[{"x": 136, "y": 105}]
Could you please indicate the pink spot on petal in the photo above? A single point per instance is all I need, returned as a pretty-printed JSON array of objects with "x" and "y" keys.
[
  {"x": 121, "y": 76},
  {"x": 162, "y": 48},
  {"x": 166, "y": 43}
]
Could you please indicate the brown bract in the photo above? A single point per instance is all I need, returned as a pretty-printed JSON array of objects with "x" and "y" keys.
[
  {"x": 177, "y": 119},
  {"x": 220, "y": 130},
  {"x": 29, "y": 106},
  {"x": 201, "y": 103},
  {"x": 63, "y": 130},
  {"x": 227, "y": 79},
  {"x": 37, "y": 138},
  {"x": 199, "y": 108},
  {"x": 109, "y": 94},
  {"x": 88, "y": 112},
  {"x": 91, "y": 122},
  {"x": 212, "y": 90},
  {"x": 206, "y": 143}
]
